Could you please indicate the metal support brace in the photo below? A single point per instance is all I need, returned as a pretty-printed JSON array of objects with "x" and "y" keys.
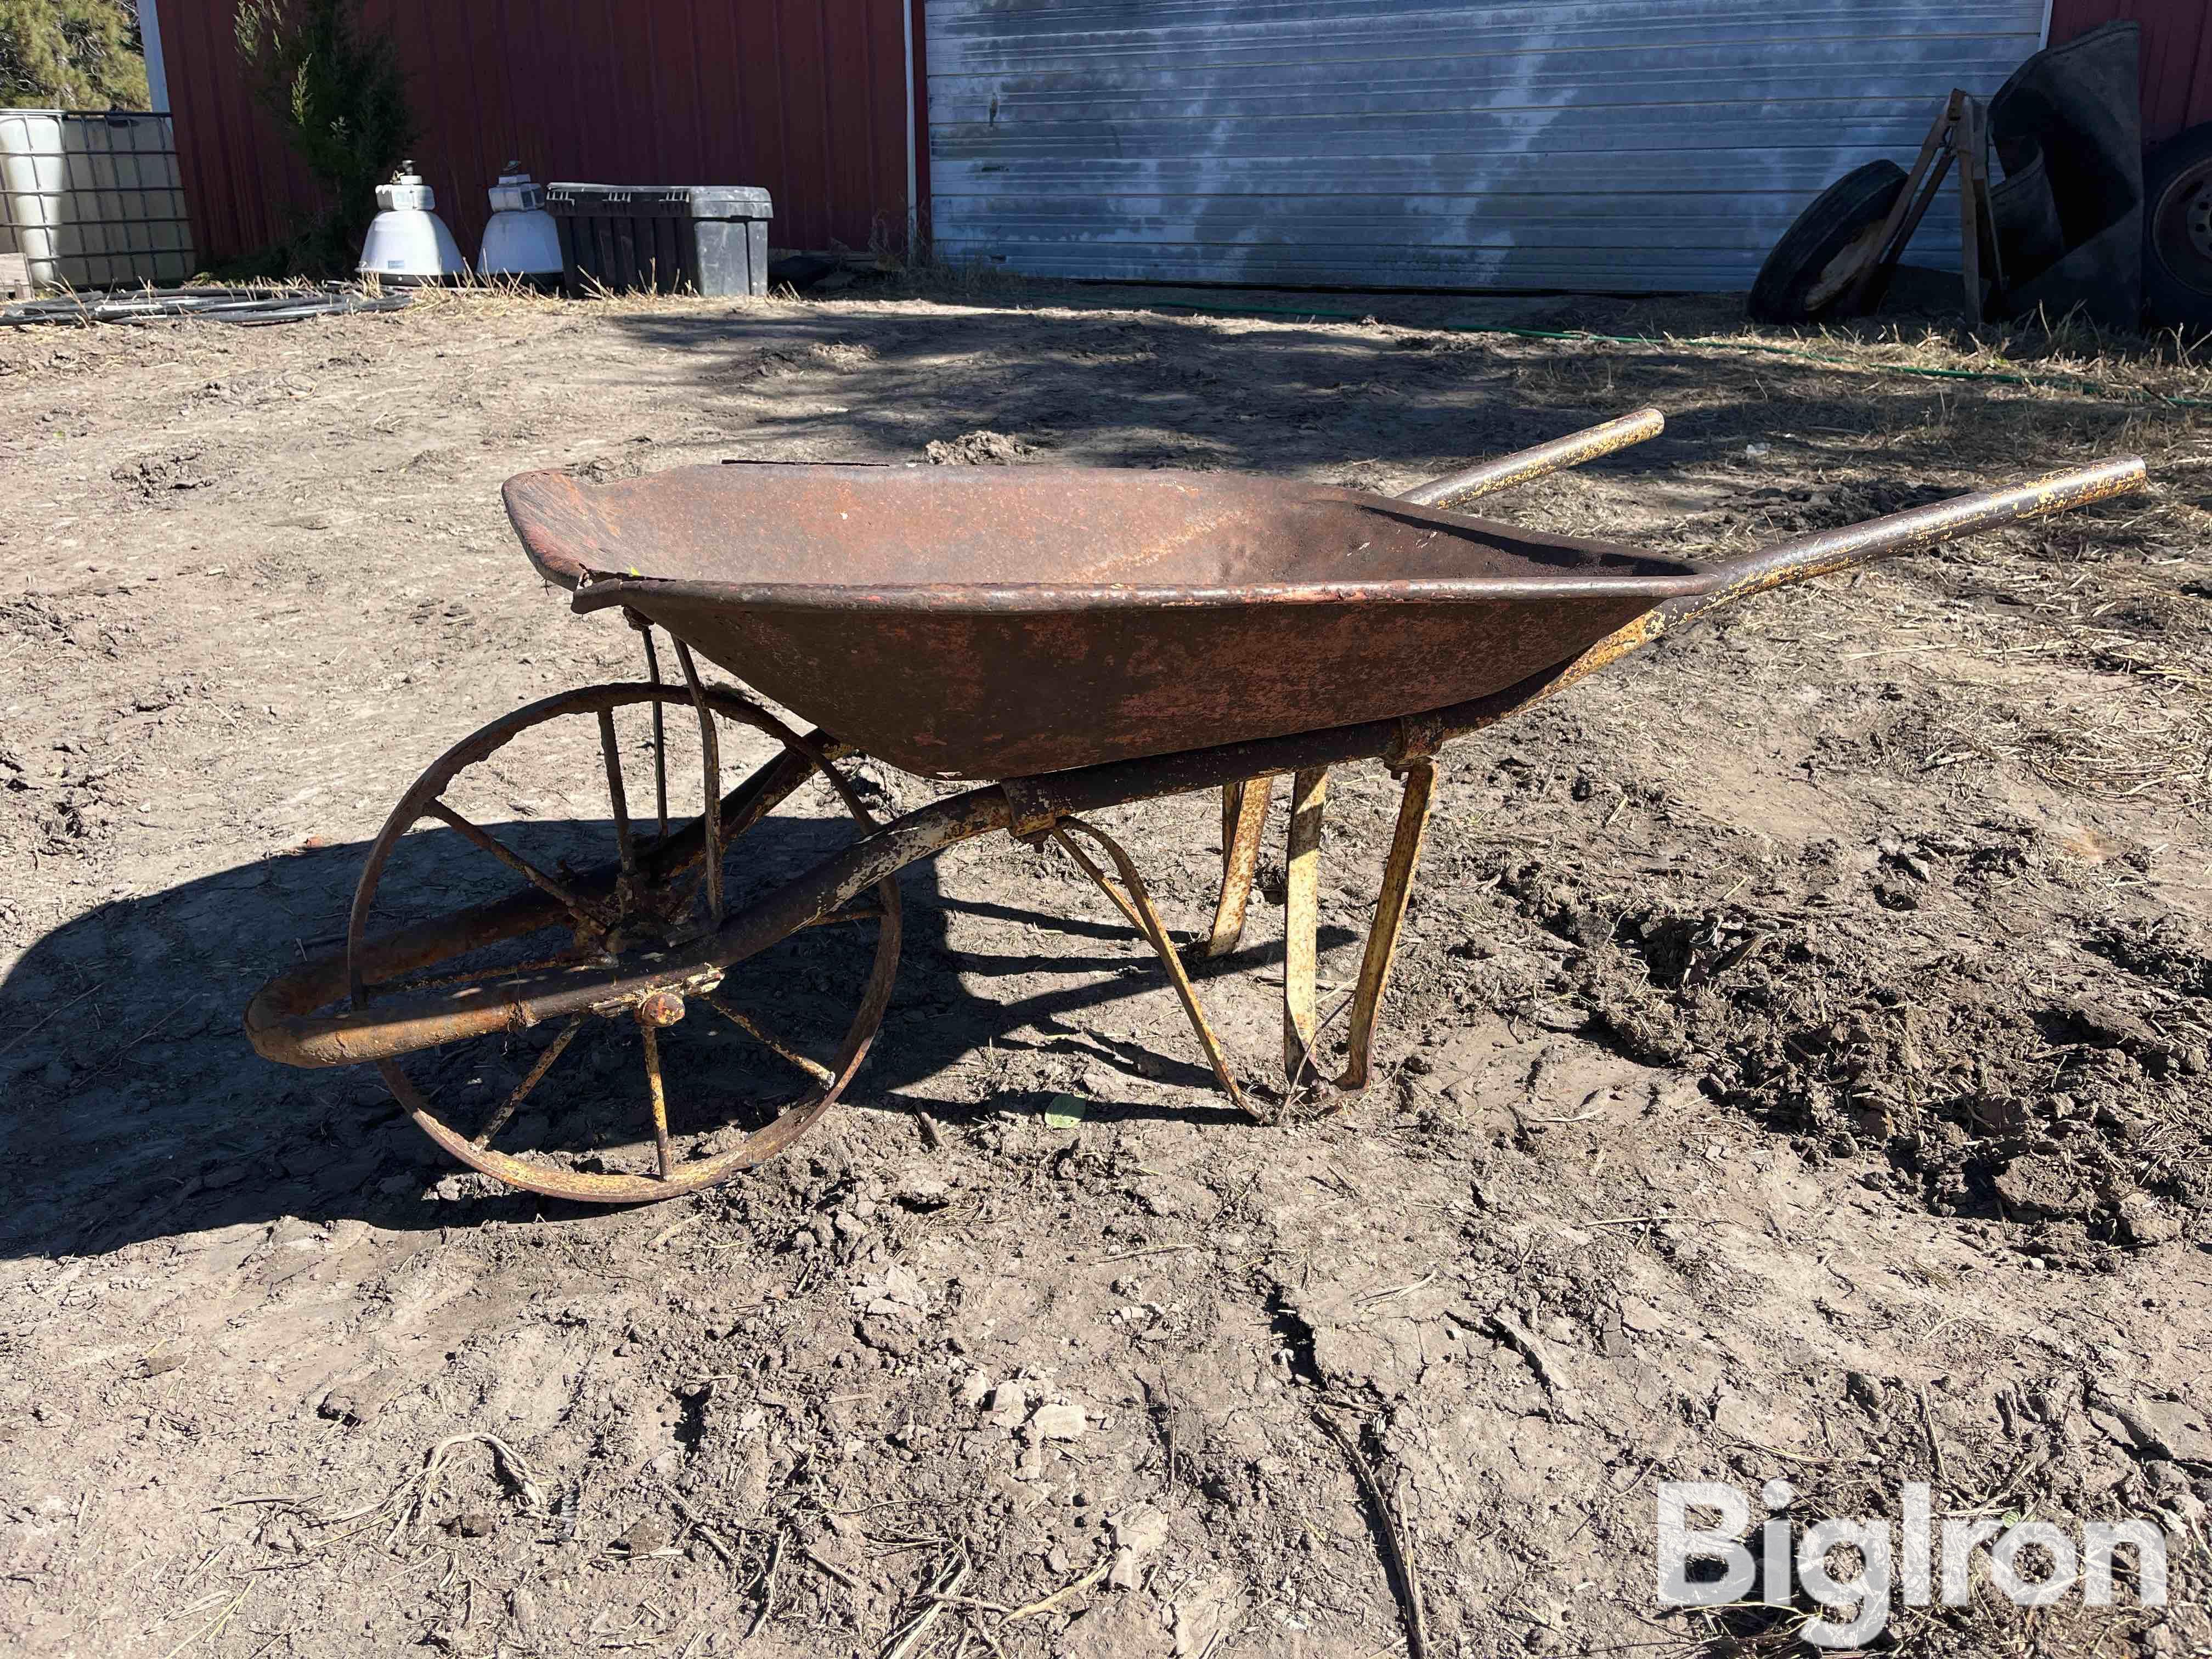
[
  {"x": 1420, "y": 777},
  {"x": 1243, "y": 822},
  {"x": 1412, "y": 756},
  {"x": 1301, "y": 918},
  {"x": 1030, "y": 815},
  {"x": 1136, "y": 904},
  {"x": 710, "y": 754},
  {"x": 659, "y": 726}
]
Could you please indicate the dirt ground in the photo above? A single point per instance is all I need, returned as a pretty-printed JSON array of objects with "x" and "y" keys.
[{"x": 1798, "y": 1065}]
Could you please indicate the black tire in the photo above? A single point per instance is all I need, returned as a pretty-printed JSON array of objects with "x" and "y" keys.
[
  {"x": 1799, "y": 281},
  {"x": 2178, "y": 230}
]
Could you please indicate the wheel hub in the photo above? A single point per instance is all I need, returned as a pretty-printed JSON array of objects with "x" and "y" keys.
[
  {"x": 661, "y": 1010},
  {"x": 2197, "y": 216}
]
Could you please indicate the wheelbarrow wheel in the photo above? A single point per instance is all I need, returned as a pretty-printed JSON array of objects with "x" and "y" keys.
[{"x": 632, "y": 1100}]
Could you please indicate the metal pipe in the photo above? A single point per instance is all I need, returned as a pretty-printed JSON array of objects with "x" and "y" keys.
[
  {"x": 406, "y": 1023},
  {"x": 1486, "y": 476},
  {"x": 1825, "y": 551}
]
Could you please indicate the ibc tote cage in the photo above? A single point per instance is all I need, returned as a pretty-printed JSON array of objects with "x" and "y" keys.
[{"x": 92, "y": 199}]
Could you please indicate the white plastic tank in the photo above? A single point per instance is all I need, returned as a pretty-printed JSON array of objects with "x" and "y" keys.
[
  {"x": 93, "y": 201},
  {"x": 407, "y": 241},
  {"x": 520, "y": 239}
]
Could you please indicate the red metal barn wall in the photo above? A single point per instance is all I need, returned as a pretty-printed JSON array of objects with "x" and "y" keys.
[
  {"x": 808, "y": 98},
  {"x": 2177, "y": 55}
]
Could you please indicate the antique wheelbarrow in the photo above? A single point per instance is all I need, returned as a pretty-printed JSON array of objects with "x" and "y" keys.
[{"x": 1075, "y": 638}]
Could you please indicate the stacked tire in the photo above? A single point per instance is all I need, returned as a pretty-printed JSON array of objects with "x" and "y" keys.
[{"x": 2178, "y": 231}]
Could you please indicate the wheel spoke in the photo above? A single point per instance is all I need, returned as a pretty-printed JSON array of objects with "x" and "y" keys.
[
  {"x": 481, "y": 976},
  {"x": 617, "y": 797},
  {"x": 660, "y": 736},
  {"x": 454, "y": 980},
  {"x": 710, "y": 748},
  {"x": 869, "y": 910},
  {"x": 521, "y": 865},
  {"x": 822, "y": 1074},
  {"x": 743, "y": 808},
  {"x": 662, "y": 1148},
  {"x": 499, "y": 1118}
]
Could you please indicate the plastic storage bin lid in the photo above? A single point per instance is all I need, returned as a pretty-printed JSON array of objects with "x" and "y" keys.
[{"x": 694, "y": 201}]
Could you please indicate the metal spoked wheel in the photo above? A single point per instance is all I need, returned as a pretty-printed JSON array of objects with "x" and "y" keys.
[{"x": 639, "y": 1097}]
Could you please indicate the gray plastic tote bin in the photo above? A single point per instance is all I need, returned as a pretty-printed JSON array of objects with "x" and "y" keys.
[{"x": 706, "y": 239}]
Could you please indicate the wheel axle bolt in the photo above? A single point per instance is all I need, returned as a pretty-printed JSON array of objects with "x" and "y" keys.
[{"x": 661, "y": 1008}]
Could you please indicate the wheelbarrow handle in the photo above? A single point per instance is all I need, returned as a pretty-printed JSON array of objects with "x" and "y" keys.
[
  {"x": 1487, "y": 477},
  {"x": 1825, "y": 551},
  {"x": 1804, "y": 558}
]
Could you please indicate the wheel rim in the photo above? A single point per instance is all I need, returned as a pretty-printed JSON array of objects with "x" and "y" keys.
[
  {"x": 2181, "y": 228},
  {"x": 618, "y": 916},
  {"x": 1839, "y": 273}
]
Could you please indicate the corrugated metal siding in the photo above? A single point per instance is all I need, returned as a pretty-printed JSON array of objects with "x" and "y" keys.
[
  {"x": 805, "y": 97},
  {"x": 2177, "y": 55},
  {"x": 1612, "y": 144},
  {"x": 237, "y": 172}
]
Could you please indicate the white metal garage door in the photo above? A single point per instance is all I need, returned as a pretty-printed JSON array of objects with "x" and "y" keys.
[{"x": 1608, "y": 145}]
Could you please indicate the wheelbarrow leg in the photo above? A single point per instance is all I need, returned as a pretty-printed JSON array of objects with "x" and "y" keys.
[
  {"x": 1244, "y": 820},
  {"x": 1301, "y": 918},
  {"x": 1301, "y": 956},
  {"x": 1420, "y": 777},
  {"x": 1136, "y": 904}
]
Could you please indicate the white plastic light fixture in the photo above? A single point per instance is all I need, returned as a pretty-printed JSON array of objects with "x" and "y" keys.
[
  {"x": 407, "y": 241},
  {"x": 520, "y": 239}
]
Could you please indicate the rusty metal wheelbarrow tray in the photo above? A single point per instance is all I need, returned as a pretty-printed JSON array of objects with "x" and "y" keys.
[
  {"x": 1084, "y": 641},
  {"x": 989, "y": 623}
]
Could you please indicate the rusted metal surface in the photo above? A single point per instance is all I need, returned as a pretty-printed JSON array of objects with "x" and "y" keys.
[
  {"x": 284, "y": 1026},
  {"x": 1302, "y": 917},
  {"x": 660, "y": 722},
  {"x": 710, "y": 751},
  {"x": 281, "y": 1021},
  {"x": 1487, "y": 477},
  {"x": 292, "y": 1018},
  {"x": 1244, "y": 811},
  {"x": 1065, "y": 616},
  {"x": 1243, "y": 822},
  {"x": 608, "y": 980}
]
